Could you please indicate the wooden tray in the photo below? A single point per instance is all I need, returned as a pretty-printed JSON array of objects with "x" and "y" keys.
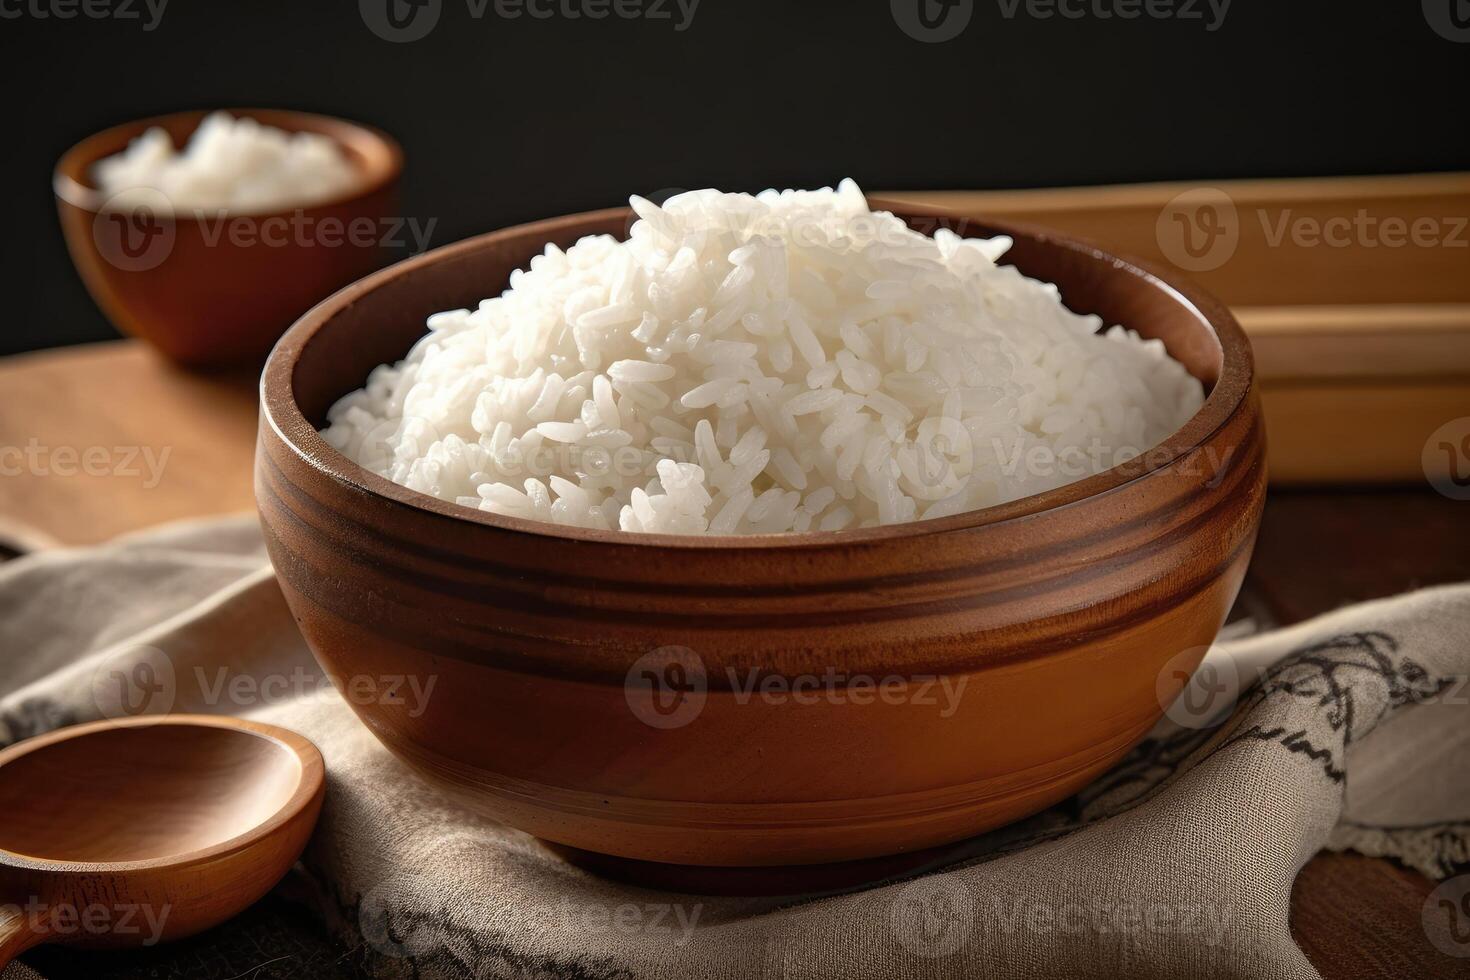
[{"x": 1361, "y": 325}]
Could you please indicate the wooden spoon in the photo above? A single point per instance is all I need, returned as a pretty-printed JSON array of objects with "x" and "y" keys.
[{"x": 131, "y": 832}]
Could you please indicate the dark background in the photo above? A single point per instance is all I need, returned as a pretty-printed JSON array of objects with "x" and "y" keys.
[{"x": 508, "y": 120}]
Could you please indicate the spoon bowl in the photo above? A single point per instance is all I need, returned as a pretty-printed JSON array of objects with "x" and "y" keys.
[{"x": 132, "y": 832}]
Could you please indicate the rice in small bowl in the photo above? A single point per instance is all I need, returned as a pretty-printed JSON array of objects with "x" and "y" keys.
[
  {"x": 202, "y": 255},
  {"x": 789, "y": 361}
]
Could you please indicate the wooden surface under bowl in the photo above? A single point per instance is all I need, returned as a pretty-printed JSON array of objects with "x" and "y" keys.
[
  {"x": 589, "y": 684},
  {"x": 194, "y": 288}
]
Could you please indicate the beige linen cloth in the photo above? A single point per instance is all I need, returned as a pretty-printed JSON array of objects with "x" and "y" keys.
[{"x": 1349, "y": 731}]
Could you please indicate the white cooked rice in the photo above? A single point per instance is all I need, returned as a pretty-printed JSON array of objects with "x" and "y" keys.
[
  {"x": 785, "y": 362},
  {"x": 229, "y": 164}
]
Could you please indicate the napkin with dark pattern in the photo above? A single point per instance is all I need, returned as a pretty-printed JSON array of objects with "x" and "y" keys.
[{"x": 1349, "y": 731}]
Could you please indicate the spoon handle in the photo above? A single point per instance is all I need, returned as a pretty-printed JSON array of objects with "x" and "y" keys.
[{"x": 16, "y": 934}]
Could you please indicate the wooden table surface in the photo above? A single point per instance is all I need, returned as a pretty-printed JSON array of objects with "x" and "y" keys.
[{"x": 1356, "y": 917}]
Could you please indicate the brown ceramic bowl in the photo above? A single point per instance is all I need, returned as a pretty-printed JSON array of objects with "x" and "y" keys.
[
  {"x": 204, "y": 291},
  {"x": 1053, "y": 617}
]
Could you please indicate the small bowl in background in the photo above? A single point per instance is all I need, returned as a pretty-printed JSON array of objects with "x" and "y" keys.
[
  {"x": 608, "y": 691},
  {"x": 207, "y": 292}
]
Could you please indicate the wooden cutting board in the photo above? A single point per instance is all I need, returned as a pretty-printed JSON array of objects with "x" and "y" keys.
[
  {"x": 107, "y": 438},
  {"x": 1355, "y": 292}
]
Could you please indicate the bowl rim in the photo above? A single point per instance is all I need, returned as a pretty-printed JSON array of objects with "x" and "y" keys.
[
  {"x": 381, "y": 153},
  {"x": 1232, "y": 388}
]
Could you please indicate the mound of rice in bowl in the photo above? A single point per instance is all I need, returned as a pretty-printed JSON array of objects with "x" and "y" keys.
[
  {"x": 229, "y": 164},
  {"x": 789, "y": 361}
]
